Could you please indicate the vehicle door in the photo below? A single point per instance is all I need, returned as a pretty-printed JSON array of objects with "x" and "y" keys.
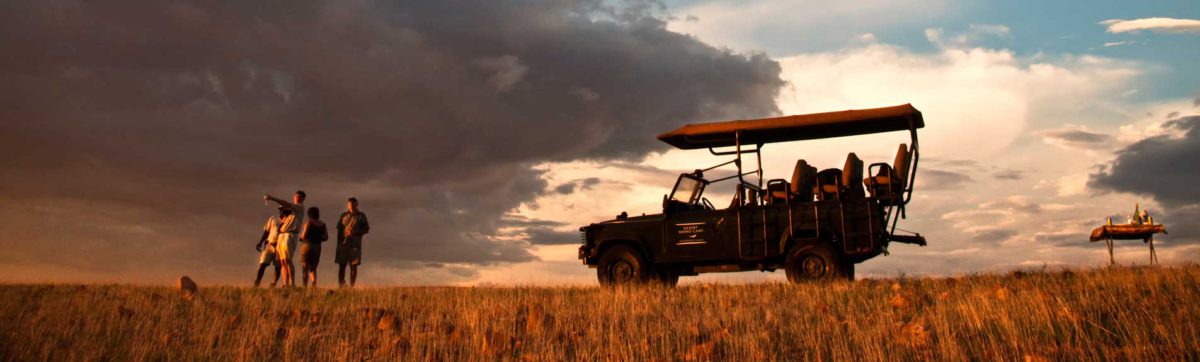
[
  {"x": 695, "y": 235},
  {"x": 692, "y": 225}
]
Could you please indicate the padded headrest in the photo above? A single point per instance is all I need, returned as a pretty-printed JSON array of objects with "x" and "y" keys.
[
  {"x": 903, "y": 157},
  {"x": 803, "y": 177},
  {"x": 852, "y": 173}
]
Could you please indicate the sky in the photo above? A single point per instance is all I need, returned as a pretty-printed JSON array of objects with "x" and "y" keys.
[{"x": 137, "y": 140}]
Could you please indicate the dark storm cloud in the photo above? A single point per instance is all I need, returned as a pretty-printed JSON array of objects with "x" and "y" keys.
[
  {"x": 565, "y": 189},
  {"x": 937, "y": 180},
  {"x": 1160, "y": 166},
  {"x": 145, "y": 133}
]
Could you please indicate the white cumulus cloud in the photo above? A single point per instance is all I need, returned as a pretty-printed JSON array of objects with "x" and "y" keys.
[{"x": 1157, "y": 25}]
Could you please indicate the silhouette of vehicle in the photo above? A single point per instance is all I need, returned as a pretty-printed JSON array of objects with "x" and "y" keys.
[{"x": 815, "y": 226}]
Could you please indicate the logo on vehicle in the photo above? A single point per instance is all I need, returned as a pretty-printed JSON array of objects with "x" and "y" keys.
[{"x": 689, "y": 234}]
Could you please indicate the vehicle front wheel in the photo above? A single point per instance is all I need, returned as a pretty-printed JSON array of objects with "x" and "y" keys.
[
  {"x": 622, "y": 265},
  {"x": 815, "y": 263}
]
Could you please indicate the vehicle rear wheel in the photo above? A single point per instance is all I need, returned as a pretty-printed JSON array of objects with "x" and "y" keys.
[
  {"x": 816, "y": 263},
  {"x": 622, "y": 265}
]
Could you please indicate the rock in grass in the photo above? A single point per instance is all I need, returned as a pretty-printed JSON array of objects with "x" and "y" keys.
[{"x": 187, "y": 287}]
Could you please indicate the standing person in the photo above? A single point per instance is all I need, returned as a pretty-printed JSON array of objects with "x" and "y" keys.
[
  {"x": 289, "y": 233},
  {"x": 351, "y": 227},
  {"x": 312, "y": 236},
  {"x": 266, "y": 244}
]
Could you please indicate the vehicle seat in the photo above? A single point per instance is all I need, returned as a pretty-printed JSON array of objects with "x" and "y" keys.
[
  {"x": 804, "y": 179},
  {"x": 829, "y": 184},
  {"x": 852, "y": 175},
  {"x": 778, "y": 191},
  {"x": 887, "y": 184}
]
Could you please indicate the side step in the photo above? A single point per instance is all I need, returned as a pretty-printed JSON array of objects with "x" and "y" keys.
[
  {"x": 908, "y": 239},
  {"x": 724, "y": 268}
]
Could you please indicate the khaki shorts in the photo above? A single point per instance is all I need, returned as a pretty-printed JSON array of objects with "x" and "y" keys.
[
  {"x": 268, "y": 255},
  {"x": 350, "y": 252},
  {"x": 286, "y": 245}
]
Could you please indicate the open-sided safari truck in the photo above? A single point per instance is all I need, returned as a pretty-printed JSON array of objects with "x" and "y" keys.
[{"x": 816, "y": 225}]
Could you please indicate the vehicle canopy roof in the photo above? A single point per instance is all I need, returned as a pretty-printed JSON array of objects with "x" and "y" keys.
[{"x": 795, "y": 128}]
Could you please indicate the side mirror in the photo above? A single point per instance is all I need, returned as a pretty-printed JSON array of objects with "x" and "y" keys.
[{"x": 665, "y": 204}]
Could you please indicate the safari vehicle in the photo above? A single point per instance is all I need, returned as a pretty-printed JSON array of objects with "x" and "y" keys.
[{"x": 815, "y": 226}]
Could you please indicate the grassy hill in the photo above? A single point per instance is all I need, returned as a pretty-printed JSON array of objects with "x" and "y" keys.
[{"x": 1101, "y": 314}]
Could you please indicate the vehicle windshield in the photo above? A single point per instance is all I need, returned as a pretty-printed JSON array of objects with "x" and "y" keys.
[{"x": 687, "y": 190}]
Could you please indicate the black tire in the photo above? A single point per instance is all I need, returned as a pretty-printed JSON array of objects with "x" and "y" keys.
[
  {"x": 622, "y": 265},
  {"x": 816, "y": 263}
]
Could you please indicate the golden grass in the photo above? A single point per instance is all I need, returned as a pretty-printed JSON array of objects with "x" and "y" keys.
[{"x": 1102, "y": 314}]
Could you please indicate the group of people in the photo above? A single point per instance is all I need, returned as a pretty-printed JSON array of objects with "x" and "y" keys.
[{"x": 297, "y": 226}]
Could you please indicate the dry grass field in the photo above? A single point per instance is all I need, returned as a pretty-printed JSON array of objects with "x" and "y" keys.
[{"x": 1100, "y": 314}]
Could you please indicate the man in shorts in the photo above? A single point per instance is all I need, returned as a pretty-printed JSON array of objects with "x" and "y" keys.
[
  {"x": 289, "y": 234},
  {"x": 351, "y": 227},
  {"x": 266, "y": 245}
]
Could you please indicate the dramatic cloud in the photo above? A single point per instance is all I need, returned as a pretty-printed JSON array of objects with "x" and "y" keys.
[
  {"x": 141, "y": 136},
  {"x": 1162, "y": 166},
  {"x": 1157, "y": 25}
]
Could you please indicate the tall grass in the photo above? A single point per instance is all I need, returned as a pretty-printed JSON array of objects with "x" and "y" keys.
[{"x": 1101, "y": 314}]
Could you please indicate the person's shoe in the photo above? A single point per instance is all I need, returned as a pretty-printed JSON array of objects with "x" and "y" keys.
[{"x": 272, "y": 285}]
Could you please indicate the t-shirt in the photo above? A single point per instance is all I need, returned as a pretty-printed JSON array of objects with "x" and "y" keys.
[
  {"x": 353, "y": 224},
  {"x": 272, "y": 229},
  {"x": 292, "y": 223}
]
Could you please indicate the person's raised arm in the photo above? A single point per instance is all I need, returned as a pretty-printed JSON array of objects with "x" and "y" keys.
[{"x": 281, "y": 202}]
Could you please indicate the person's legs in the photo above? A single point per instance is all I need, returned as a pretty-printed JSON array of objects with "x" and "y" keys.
[
  {"x": 261, "y": 268},
  {"x": 341, "y": 275},
  {"x": 277, "y": 272},
  {"x": 304, "y": 273},
  {"x": 355, "y": 257},
  {"x": 291, "y": 268},
  {"x": 287, "y": 273},
  {"x": 266, "y": 258},
  {"x": 312, "y": 270}
]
